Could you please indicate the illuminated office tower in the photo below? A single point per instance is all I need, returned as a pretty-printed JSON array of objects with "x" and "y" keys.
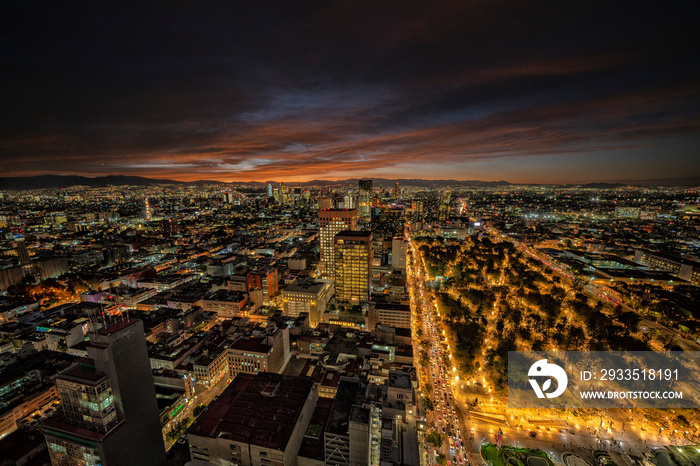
[
  {"x": 396, "y": 190},
  {"x": 276, "y": 195},
  {"x": 444, "y": 207},
  {"x": 349, "y": 200},
  {"x": 269, "y": 190},
  {"x": 284, "y": 194},
  {"x": 110, "y": 413},
  {"x": 364, "y": 199},
  {"x": 353, "y": 266},
  {"x": 147, "y": 210},
  {"x": 330, "y": 223}
]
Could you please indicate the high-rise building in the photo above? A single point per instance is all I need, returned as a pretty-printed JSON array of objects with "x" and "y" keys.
[
  {"x": 325, "y": 203},
  {"x": 396, "y": 190},
  {"x": 276, "y": 195},
  {"x": 364, "y": 199},
  {"x": 387, "y": 222},
  {"x": 284, "y": 194},
  {"x": 330, "y": 223},
  {"x": 231, "y": 197},
  {"x": 148, "y": 215},
  {"x": 169, "y": 226},
  {"x": 444, "y": 207},
  {"x": 353, "y": 266},
  {"x": 269, "y": 190},
  {"x": 349, "y": 201},
  {"x": 398, "y": 254},
  {"x": 110, "y": 413},
  {"x": 265, "y": 279}
]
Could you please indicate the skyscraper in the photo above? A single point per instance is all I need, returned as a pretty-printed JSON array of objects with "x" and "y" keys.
[
  {"x": 398, "y": 254},
  {"x": 284, "y": 194},
  {"x": 330, "y": 223},
  {"x": 110, "y": 414},
  {"x": 349, "y": 200},
  {"x": 364, "y": 199},
  {"x": 147, "y": 210},
  {"x": 269, "y": 190},
  {"x": 444, "y": 207},
  {"x": 353, "y": 266},
  {"x": 396, "y": 190}
]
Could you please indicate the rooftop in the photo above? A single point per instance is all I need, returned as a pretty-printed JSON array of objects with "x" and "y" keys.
[
  {"x": 313, "y": 444},
  {"x": 254, "y": 345},
  {"x": 57, "y": 424},
  {"x": 225, "y": 295},
  {"x": 305, "y": 286},
  {"x": 399, "y": 380},
  {"x": 83, "y": 372},
  {"x": 354, "y": 235},
  {"x": 348, "y": 392},
  {"x": 116, "y": 325},
  {"x": 260, "y": 410}
]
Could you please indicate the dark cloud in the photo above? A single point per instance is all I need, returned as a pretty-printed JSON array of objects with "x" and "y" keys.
[{"x": 258, "y": 90}]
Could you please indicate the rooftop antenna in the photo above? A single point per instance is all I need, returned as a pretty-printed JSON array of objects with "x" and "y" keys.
[{"x": 91, "y": 317}]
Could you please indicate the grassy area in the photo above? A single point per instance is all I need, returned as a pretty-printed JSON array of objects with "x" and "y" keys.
[{"x": 514, "y": 456}]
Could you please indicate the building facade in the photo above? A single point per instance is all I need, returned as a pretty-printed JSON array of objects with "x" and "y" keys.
[
  {"x": 353, "y": 266},
  {"x": 259, "y": 354},
  {"x": 330, "y": 223},
  {"x": 309, "y": 296},
  {"x": 111, "y": 415},
  {"x": 259, "y": 420},
  {"x": 364, "y": 199}
]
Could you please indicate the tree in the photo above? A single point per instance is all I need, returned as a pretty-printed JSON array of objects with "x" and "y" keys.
[
  {"x": 441, "y": 459},
  {"x": 435, "y": 439},
  {"x": 198, "y": 409},
  {"x": 630, "y": 320}
]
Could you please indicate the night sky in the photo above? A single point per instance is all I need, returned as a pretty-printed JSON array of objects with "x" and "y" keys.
[{"x": 524, "y": 91}]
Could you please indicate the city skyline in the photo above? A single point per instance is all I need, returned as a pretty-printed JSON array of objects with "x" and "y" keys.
[
  {"x": 523, "y": 92},
  {"x": 311, "y": 324}
]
